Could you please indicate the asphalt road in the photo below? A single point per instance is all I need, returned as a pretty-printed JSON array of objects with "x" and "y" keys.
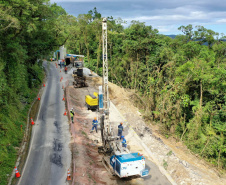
[{"x": 49, "y": 155}]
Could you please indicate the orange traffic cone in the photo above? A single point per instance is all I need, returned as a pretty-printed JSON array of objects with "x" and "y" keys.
[
  {"x": 68, "y": 175},
  {"x": 39, "y": 97},
  {"x": 32, "y": 122},
  {"x": 44, "y": 85},
  {"x": 17, "y": 174},
  {"x": 62, "y": 77},
  {"x": 60, "y": 71},
  {"x": 65, "y": 113},
  {"x": 63, "y": 98}
]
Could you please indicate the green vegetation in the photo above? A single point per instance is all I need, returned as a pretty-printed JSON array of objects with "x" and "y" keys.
[
  {"x": 179, "y": 83},
  {"x": 165, "y": 164},
  {"x": 29, "y": 30},
  {"x": 169, "y": 153},
  {"x": 84, "y": 133}
]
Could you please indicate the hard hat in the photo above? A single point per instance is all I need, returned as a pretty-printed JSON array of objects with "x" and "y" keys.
[
  {"x": 122, "y": 137},
  {"x": 121, "y": 123},
  {"x": 71, "y": 108},
  {"x": 95, "y": 118}
]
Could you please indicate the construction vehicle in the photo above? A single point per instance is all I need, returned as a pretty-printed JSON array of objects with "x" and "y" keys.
[
  {"x": 92, "y": 101},
  {"x": 118, "y": 159},
  {"x": 79, "y": 78}
]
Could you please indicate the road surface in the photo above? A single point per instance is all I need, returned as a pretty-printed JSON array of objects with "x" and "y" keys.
[{"x": 49, "y": 155}]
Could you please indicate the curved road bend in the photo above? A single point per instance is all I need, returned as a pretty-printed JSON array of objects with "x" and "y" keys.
[{"x": 49, "y": 155}]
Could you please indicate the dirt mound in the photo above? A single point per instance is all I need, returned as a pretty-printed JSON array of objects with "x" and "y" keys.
[{"x": 116, "y": 93}]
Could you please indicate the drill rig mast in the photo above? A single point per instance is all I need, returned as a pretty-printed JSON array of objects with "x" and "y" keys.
[
  {"x": 119, "y": 159},
  {"x": 111, "y": 142},
  {"x": 105, "y": 68},
  {"x": 106, "y": 129}
]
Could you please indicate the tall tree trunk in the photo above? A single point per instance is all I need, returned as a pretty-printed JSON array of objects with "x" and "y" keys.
[
  {"x": 132, "y": 72},
  {"x": 87, "y": 45},
  {"x": 201, "y": 93},
  {"x": 135, "y": 86},
  {"x": 88, "y": 55},
  {"x": 79, "y": 49},
  {"x": 221, "y": 146},
  {"x": 219, "y": 156},
  {"x": 184, "y": 129},
  {"x": 111, "y": 51},
  {"x": 205, "y": 145},
  {"x": 98, "y": 53},
  {"x": 146, "y": 61}
]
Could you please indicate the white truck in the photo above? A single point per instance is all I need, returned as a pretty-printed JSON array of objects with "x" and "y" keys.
[{"x": 130, "y": 164}]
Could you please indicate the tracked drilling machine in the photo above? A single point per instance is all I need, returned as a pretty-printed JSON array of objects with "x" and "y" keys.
[
  {"x": 119, "y": 160},
  {"x": 79, "y": 77}
]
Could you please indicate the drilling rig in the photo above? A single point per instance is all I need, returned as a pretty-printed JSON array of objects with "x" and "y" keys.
[{"x": 119, "y": 160}]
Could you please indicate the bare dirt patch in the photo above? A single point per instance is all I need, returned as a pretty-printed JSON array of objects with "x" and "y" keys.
[{"x": 87, "y": 165}]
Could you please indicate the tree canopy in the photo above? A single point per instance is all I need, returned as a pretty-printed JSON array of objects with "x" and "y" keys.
[
  {"x": 29, "y": 31},
  {"x": 180, "y": 82}
]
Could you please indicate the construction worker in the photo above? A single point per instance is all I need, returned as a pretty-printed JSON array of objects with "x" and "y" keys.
[
  {"x": 123, "y": 141},
  {"x": 65, "y": 69},
  {"x": 95, "y": 123},
  {"x": 120, "y": 129},
  {"x": 60, "y": 63},
  {"x": 72, "y": 115}
]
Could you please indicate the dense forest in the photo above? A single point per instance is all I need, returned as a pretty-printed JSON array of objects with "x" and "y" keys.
[
  {"x": 179, "y": 83},
  {"x": 29, "y": 30}
]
